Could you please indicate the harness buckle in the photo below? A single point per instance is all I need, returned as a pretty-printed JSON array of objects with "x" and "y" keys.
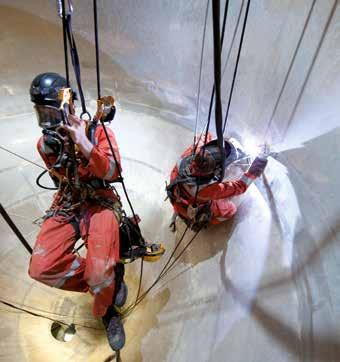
[{"x": 192, "y": 212}]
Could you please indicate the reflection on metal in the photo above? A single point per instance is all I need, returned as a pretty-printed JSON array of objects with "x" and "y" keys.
[{"x": 63, "y": 333}]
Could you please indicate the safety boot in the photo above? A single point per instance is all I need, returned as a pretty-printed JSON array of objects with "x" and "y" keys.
[{"x": 114, "y": 329}]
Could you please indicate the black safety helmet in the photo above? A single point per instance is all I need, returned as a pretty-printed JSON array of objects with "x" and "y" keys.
[
  {"x": 44, "y": 93},
  {"x": 208, "y": 161},
  {"x": 44, "y": 89}
]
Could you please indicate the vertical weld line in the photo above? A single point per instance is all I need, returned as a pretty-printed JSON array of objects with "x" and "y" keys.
[
  {"x": 233, "y": 38},
  {"x": 236, "y": 66},
  {"x": 329, "y": 20},
  {"x": 290, "y": 68}
]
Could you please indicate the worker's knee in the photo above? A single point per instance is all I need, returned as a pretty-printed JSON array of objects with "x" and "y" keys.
[
  {"x": 98, "y": 280},
  {"x": 231, "y": 211},
  {"x": 44, "y": 271},
  {"x": 38, "y": 270},
  {"x": 223, "y": 210}
]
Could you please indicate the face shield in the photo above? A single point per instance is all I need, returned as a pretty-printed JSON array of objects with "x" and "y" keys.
[{"x": 48, "y": 116}]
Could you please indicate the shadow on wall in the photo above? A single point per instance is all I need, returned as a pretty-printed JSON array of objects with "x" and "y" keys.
[{"x": 313, "y": 172}]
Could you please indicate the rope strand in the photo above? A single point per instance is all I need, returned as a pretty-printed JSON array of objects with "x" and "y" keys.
[
  {"x": 200, "y": 72},
  {"x": 95, "y": 16},
  {"x": 236, "y": 66},
  {"x": 213, "y": 90}
]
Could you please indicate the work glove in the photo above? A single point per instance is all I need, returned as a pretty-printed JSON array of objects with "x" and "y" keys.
[
  {"x": 258, "y": 166},
  {"x": 260, "y": 162}
]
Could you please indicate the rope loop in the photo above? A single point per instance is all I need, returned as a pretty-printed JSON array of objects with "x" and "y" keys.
[{"x": 85, "y": 114}]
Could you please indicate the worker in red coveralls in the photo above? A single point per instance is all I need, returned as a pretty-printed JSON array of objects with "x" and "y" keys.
[
  {"x": 195, "y": 191},
  {"x": 95, "y": 217}
]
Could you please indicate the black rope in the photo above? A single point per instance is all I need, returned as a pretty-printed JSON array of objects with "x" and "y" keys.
[
  {"x": 225, "y": 64},
  {"x": 76, "y": 64},
  {"x": 17, "y": 232},
  {"x": 217, "y": 77},
  {"x": 129, "y": 202},
  {"x": 217, "y": 88},
  {"x": 168, "y": 266},
  {"x": 37, "y": 181},
  {"x": 63, "y": 14},
  {"x": 95, "y": 16},
  {"x": 140, "y": 279},
  {"x": 131, "y": 307},
  {"x": 69, "y": 37},
  {"x": 236, "y": 65},
  {"x": 120, "y": 176},
  {"x": 22, "y": 157},
  {"x": 172, "y": 265},
  {"x": 43, "y": 316},
  {"x": 102, "y": 122},
  {"x": 213, "y": 90}
]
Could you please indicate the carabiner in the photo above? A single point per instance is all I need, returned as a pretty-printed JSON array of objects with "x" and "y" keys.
[
  {"x": 87, "y": 114},
  {"x": 68, "y": 8}
]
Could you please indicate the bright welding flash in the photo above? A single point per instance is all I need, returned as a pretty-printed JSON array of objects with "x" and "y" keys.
[{"x": 251, "y": 147}]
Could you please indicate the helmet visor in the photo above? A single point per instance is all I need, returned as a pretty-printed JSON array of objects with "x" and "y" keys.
[{"x": 48, "y": 116}]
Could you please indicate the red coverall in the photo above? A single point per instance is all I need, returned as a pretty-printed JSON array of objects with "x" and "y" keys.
[
  {"x": 53, "y": 262},
  {"x": 218, "y": 193}
]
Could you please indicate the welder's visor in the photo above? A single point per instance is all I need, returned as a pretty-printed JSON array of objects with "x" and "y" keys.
[{"x": 48, "y": 116}]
